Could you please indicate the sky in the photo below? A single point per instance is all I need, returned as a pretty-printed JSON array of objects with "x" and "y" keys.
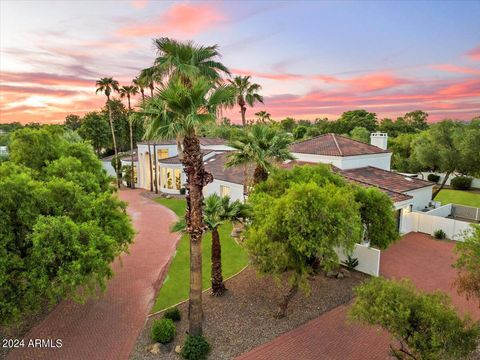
[{"x": 312, "y": 59}]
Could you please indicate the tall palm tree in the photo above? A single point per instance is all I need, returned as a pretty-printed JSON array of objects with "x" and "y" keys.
[
  {"x": 107, "y": 86},
  {"x": 247, "y": 93},
  {"x": 177, "y": 111},
  {"x": 139, "y": 84},
  {"x": 217, "y": 211},
  {"x": 187, "y": 60},
  {"x": 147, "y": 78},
  {"x": 261, "y": 146},
  {"x": 263, "y": 117},
  {"x": 128, "y": 91}
]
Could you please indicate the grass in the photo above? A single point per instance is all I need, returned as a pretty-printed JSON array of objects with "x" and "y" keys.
[
  {"x": 176, "y": 285},
  {"x": 460, "y": 197}
]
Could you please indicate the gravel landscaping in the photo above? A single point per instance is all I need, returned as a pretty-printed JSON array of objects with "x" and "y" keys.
[{"x": 243, "y": 318}]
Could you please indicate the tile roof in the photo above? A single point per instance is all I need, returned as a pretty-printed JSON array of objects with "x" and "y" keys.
[
  {"x": 334, "y": 145},
  {"x": 205, "y": 141},
  {"x": 123, "y": 156},
  {"x": 176, "y": 160},
  {"x": 216, "y": 166}
]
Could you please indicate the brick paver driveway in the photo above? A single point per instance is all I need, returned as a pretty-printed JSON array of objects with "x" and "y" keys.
[
  {"x": 107, "y": 328},
  {"x": 330, "y": 337}
]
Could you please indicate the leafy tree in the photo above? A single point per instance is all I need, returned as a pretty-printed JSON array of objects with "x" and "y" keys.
[
  {"x": 360, "y": 134},
  {"x": 73, "y": 121},
  {"x": 288, "y": 124},
  {"x": 95, "y": 129},
  {"x": 300, "y": 132},
  {"x": 107, "y": 86},
  {"x": 261, "y": 146},
  {"x": 246, "y": 93},
  {"x": 468, "y": 280},
  {"x": 177, "y": 111},
  {"x": 355, "y": 118},
  {"x": 403, "y": 158},
  {"x": 306, "y": 222},
  {"x": 426, "y": 325},
  {"x": 416, "y": 120}
]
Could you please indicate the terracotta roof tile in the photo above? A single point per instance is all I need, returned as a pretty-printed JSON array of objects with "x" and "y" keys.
[
  {"x": 334, "y": 145},
  {"x": 216, "y": 166}
]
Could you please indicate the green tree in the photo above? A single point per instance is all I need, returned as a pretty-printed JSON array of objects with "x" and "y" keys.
[
  {"x": 95, "y": 129},
  {"x": 261, "y": 146},
  {"x": 300, "y": 132},
  {"x": 147, "y": 78},
  {"x": 288, "y": 124},
  {"x": 356, "y": 118},
  {"x": 426, "y": 325},
  {"x": 403, "y": 158},
  {"x": 139, "y": 84},
  {"x": 468, "y": 280},
  {"x": 107, "y": 86},
  {"x": 73, "y": 122},
  {"x": 360, "y": 134},
  {"x": 263, "y": 117},
  {"x": 246, "y": 93},
  {"x": 307, "y": 222},
  {"x": 177, "y": 111},
  {"x": 128, "y": 91},
  {"x": 416, "y": 120}
]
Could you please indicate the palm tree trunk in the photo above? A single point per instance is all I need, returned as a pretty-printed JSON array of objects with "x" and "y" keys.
[
  {"x": 156, "y": 167},
  {"x": 259, "y": 175},
  {"x": 143, "y": 94},
  {"x": 150, "y": 163},
  {"x": 243, "y": 110},
  {"x": 151, "y": 90},
  {"x": 132, "y": 179},
  {"x": 218, "y": 287},
  {"x": 117, "y": 168},
  {"x": 447, "y": 174},
  {"x": 129, "y": 107},
  {"x": 197, "y": 178},
  {"x": 282, "y": 307}
]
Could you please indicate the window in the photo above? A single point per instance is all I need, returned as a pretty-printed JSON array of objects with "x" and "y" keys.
[
  {"x": 135, "y": 174},
  {"x": 178, "y": 179},
  {"x": 224, "y": 191},
  {"x": 162, "y": 154},
  {"x": 171, "y": 178}
]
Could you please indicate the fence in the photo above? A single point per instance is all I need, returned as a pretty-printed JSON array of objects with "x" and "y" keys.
[
  {"x": 466, "y": 212},
  {"x": 428, "y": 223},
  {"x": 475, "y": 181},
  {"x": 368, "y": 259}
]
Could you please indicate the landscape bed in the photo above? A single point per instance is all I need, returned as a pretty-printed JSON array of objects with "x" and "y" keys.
[{"x": 243, "y": 318}]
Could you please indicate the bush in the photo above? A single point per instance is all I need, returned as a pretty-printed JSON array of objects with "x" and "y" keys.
[
  {"x": 195, "y": 348},
  {"x": 173, "y": 314},
  {"x": 439, "y": 234},
  {"x": 434, "y": 178},
  {"x": 183, "y": 191},
  {"x": 163, "y": 331},
  {"x": 461, "y": 182}
]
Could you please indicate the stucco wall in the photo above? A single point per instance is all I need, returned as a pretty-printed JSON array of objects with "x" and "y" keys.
[
  {"x": 368, "y": 259},
  {"x": 236, "y": 190},
  {"x": 421, "y": 197},
  {"x": 381, "y": 161}
]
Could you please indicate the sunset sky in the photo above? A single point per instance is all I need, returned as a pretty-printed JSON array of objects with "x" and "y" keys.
[{"x": 313, "y": 59}]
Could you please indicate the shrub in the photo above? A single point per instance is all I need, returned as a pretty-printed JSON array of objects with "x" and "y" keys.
[
  {"x": 433, "y": 177},
  {"x": 183, "y": 191},
  {"x": 163, "y": 331},
  {"x": 351, "y": 263},
  {"x": 439, "y": 234},
  {"x": 173, "y": 314},
  {"x": 195, "y": 348},
  {"x": 461, "y": 182}
]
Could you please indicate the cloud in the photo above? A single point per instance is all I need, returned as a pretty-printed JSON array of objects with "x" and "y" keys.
[
  {"x": 139, "y": 4},
  {"x": 179, "y": 19},
  {"x": 45, "y": 79},
  {"x": 474, "y": 54},
  {"x": 456, "y": 69}
]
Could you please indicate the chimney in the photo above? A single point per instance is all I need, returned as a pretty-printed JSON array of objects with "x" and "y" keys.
[{"x": 379, "y": 140}]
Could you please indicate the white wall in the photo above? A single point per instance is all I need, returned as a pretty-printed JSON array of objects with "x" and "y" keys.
[
  {"x": 236, "y": 190},
  {"x": 368, "y": 259},
  {"x": 475, "y": 182},
  {"x": 428, "y": 224},
  {"x": 381, "y": 161},
  {"x": 421, "y": 197},
  {"x": 442, "y": 211},
  {"x": 107, "y": 165}
]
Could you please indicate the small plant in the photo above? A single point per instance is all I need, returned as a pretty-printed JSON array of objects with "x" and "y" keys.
[
  {"x": 461, "y": 182},
  {"x": 351, "y": 263},
  {"x": 439, "y": 234},
  {"x": 433, "y": 177},
  {"x": 195, "y": 348},
  {"x": 183, "y": 191},
  {"x": 173, "y": 314},
  {"x": 163, "y": 331}
]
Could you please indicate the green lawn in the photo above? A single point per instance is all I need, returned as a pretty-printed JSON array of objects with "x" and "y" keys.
[
  {"x": 460, "y": 197},
  {"x": 176, "y": 284}
]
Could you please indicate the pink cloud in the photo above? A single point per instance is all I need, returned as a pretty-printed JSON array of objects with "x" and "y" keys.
[
  {"x": 139, "y": 4},
  {"x": 474, "y": 54},
  {"x": 184, "y": 19},
  {"x": 45, "y": 79},
  {"x": 456, "y": 69},
  {"x": 267, "y": 75}
]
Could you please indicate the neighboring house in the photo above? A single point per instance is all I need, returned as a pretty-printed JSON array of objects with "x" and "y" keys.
[{"x": 125, "y": 158}]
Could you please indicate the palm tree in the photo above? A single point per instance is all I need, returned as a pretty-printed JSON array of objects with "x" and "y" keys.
[
  {"x": 139, "y": 84},
  {"x": 263, "y": 117},
  {"x": 247, "y": 93},
  {"x": 107, "y": 86},
  {"x": 261, "y": 145},
  {"x": 217, "y": 211},
  {"x": 147, "y": 78},
  {"x": 177, "y": 111},
  {"x": 128, "y": 91},
  {"x": 187, "y": 60}
]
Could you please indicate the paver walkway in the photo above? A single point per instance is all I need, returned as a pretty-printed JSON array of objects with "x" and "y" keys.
[
  {"x": 107, "y": 328},
  {"x": 417, "y": 256}
]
